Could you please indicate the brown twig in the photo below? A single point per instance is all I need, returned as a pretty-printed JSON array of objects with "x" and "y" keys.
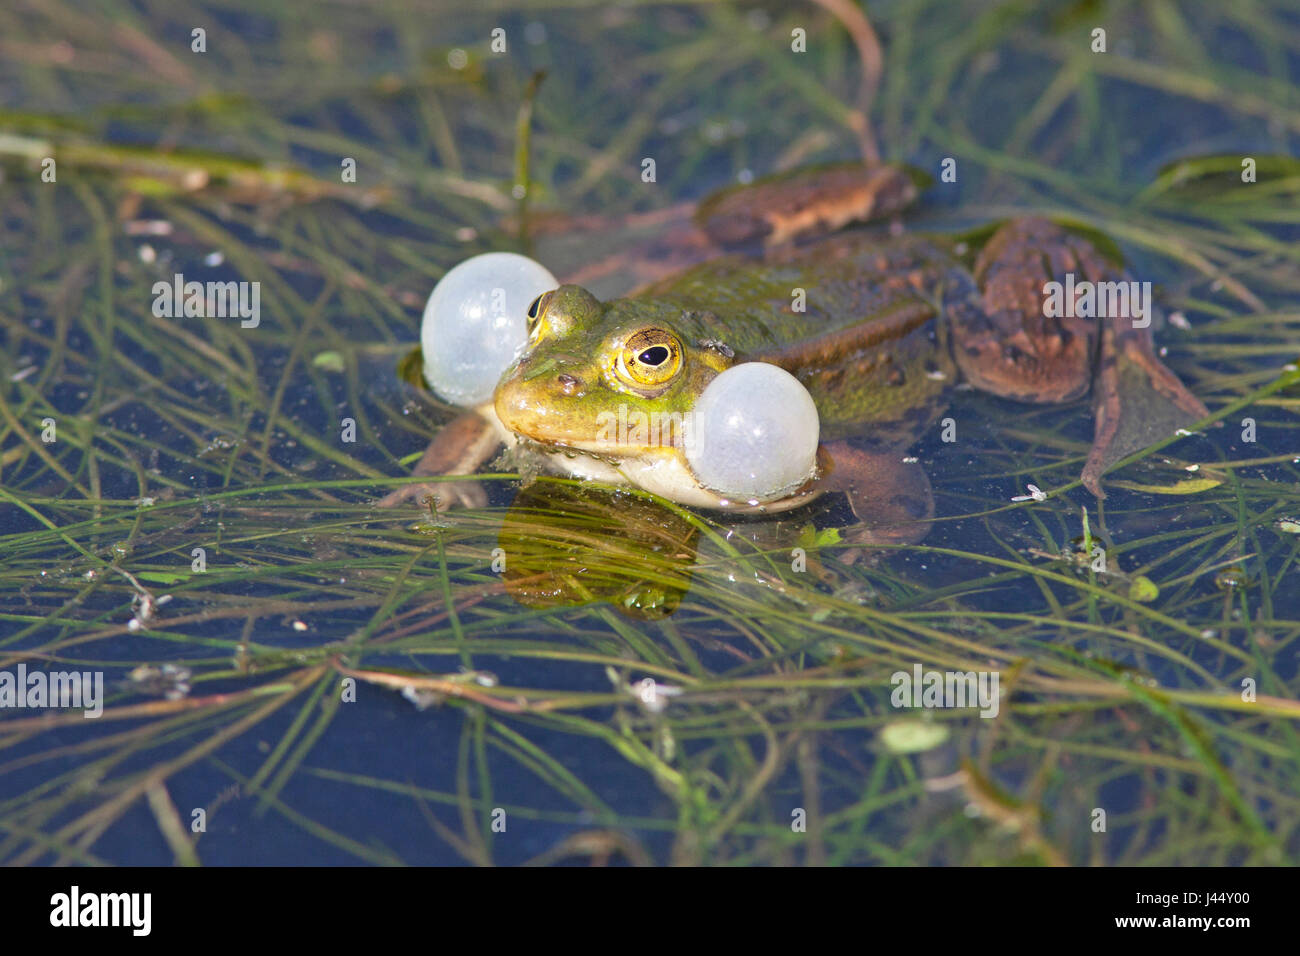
[{"x": 854, "y": 19}]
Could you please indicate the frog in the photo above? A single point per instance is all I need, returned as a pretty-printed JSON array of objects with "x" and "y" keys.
[{"x": 879, "y": 327}]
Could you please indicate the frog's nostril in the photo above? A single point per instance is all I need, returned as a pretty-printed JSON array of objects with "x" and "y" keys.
[{"x": 568, "y": 384}]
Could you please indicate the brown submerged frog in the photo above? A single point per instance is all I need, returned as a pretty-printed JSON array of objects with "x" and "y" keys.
[{"x": 889, "y": 324}]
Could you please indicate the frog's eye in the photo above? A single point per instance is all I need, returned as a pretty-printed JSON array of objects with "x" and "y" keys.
[
  {"x": 538, "y": 307},
  {"x": 649, "y": 357}
]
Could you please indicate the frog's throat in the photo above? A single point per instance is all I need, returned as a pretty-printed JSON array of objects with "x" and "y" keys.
[{"x": 663, "y": 473}]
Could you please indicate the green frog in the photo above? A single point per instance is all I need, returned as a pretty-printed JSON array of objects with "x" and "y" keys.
[{"x": 877, "y": 327}]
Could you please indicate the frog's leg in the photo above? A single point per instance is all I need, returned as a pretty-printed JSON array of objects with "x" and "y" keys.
[
  {"x": 1007, "y": 345},
  {"x": 806, "y": 202},
  {"x": 1136, "y": 399},
  {"x": 643, "y": 248},
  {"x": 891, "y": 498},
  {"x": 459, "y": 448}
]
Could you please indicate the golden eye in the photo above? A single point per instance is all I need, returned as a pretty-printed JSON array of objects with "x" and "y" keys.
[
  {"x": 649, "y": 357},
  {"x": 538, "y": 307}
]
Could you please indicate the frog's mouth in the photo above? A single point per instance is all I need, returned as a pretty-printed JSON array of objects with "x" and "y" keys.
[
  {"x": 535, "y": 446},
  {"x": 667, "y": 477},
  {"x": 553, "y": 423}
]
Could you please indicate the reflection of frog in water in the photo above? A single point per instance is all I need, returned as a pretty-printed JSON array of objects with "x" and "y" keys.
[{"x": 889, "y": 324}]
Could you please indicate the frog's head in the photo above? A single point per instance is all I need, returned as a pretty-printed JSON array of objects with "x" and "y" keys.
[{"x": 610, "y": 379}]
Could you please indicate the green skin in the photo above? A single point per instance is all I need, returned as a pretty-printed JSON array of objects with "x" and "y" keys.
[{"x": 887, "y": 326}]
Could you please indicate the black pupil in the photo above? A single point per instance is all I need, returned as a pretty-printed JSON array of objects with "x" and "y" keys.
[
  {"x": 532, "y": 309},
  {"x": 655, "y": 355}
]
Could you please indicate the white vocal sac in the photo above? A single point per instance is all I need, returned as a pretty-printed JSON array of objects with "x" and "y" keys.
[
  {"x": 756, "y": 436},
  {"x": 475, "y": 324}
]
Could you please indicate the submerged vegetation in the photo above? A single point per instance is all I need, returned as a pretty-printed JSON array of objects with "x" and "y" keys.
[{"x": 573, "y": 673}]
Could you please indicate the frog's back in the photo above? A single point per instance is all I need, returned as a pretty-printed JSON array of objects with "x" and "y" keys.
[{"x": 864, "y": 336}]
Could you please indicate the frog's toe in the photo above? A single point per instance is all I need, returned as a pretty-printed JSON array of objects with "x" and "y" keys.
[
  {"x": 464, "y": 494},
  {"x": 445, "y": 494},
  {"x": 405, "y": 493}
]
